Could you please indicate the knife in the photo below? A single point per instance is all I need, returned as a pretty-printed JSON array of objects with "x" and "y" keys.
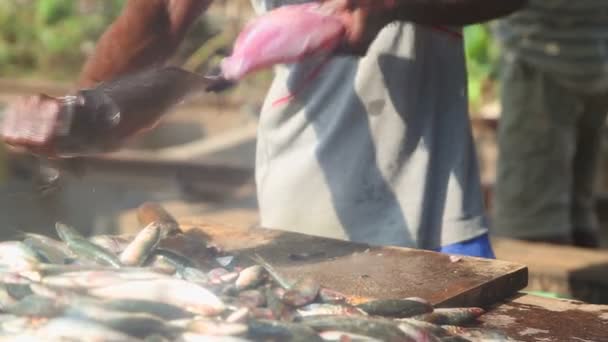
[{"x": 89, "y": 119}]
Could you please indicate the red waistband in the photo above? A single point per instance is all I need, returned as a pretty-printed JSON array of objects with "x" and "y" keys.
[{"x": 449, "y": 31}]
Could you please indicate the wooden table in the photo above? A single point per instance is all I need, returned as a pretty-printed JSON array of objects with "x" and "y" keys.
[
  {"x": 531, "y": 318},
  {"x": 364, "y": 272}
]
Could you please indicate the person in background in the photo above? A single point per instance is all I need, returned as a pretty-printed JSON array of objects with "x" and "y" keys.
[
  {"x": 378, "y": 149},
  {"x": 554, "y": 102}
]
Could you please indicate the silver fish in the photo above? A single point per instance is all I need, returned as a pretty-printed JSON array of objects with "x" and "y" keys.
[
  {"x": 37, "y": 306},
  {"x": 281, "y": 331},
  {"x": 54, "y": 251},
  {"x": 72, "y": 329},
  {"x": 250, "y": 277},
  {"x": 17, "y": 256},
  {"x": 303, "y": 292},
  {"x": 94, "y": 279},
  {"x": 329, "y": 309},
  {"x": 177, "y": 292},
  {"x": 158, "y": 309},
  {"x": 339, "y": 336},
  {"x": 217, "y": 328},
  {"x": 238, "y": 316},
  {"x": 84, "y": 248},
  {"x": 142, "y": 245},
  {"x": 114, "y": 244},
  {"x": 134, "y": 324}
]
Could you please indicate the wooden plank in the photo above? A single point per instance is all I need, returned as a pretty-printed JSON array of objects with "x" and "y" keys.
[
  {"x": 576, "y": 272},
  {"x": 363, "y": 272},
  {"x": 530, "y": 318}
]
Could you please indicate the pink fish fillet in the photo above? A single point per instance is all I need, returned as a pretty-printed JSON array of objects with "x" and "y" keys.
[{"x": 285, "y": 35}]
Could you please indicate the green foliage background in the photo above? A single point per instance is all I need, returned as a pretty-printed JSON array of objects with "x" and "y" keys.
[
  {"x": 483, "y": 54},
  {"x": 51, "y": 38}
]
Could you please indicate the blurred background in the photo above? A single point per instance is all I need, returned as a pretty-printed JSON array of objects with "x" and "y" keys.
[{"x": 199, "y": 162}]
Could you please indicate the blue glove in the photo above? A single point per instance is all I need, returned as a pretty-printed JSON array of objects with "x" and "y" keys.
[{"x": 477, "y": 247}]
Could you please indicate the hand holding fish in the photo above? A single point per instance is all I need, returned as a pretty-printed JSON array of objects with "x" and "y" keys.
[
  {"x": 362, "y": 20},
  {"x": 31, "y": 122}
]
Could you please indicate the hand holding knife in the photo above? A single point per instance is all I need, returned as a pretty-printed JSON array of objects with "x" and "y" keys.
[{"x": 100, "y": 119}]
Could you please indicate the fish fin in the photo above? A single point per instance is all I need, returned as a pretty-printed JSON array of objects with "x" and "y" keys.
[{"x": 271, "y": 270}]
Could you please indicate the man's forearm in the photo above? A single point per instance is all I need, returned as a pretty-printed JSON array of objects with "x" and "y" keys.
[
  {"x": 444, "y": 12},
  {"x": 146, "y": 34}
]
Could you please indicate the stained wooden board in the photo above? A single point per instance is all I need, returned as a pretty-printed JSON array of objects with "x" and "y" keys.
[
  {"x": 363, "y": 272},
  {"x": 528, "y": 318}
]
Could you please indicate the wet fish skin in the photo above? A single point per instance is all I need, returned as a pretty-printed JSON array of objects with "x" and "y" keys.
[
  {"x": 339, "y": 336},
  {"x": 252, "y": 298},
  {"x": 70, "y": 329},
  {"x": 54, "y": 251},
  {"x": 84, "y": 248},
  {"x": 142, "y": 245},
  {"x": 169, "y": 291},
  {"x": 303, "y": 292},
  {"x": 280, "y": 280},
  {"x": 262, "y": 313},
  {"x": 18, "y": 290},
  {"x": 17, "y": 256},
  {"x": 278, "y": 308},
  {"x": 216, "y": 274},
  {"x": 160, "y": 262},
  {"x": 11, "y": 324},
  {"x": 178, "y": 260},
  {"x": 383, "y": 329},
  {"x": 37, "y": 306},
  {"x": 238, "y": 316},
  {"x": 6, "y": 300},
  {"x": 229, "y": 277},
  {"x": 95, "y": 279},
  {"x": 452, "y": 329},
  {"x": 250, "y": 277},
  {"x": 455, "y": 339},
  {"x": 50, "y": 270},
  {"x": 452, "y": 316},
  {"x": 281, "y": 331},
  {"x": 407, "y": 307},
  {"x": 114, "y": 244},
  {"x": 216, "y": 328},
  {"x": 437, "y": 330},
  {"x": 194, "y": 275},
  {"x": 156, "y": 338},
  {"x": 329, "y": 310},
  {"x": 158, "y": 309},
  {"x": 418, "y": 333},
  {"x": 134, "y": 324}
]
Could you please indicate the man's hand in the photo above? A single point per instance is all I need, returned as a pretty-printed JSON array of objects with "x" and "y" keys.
[
  {"x": 363, "y": 20},
  {"x": 31, "y": 123}
]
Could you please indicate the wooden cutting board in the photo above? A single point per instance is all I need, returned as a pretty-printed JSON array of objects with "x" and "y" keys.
[{"x": 363, "y": 272}]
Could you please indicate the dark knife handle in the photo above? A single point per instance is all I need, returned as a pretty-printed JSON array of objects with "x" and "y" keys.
[{"x": 117, "y": 109}]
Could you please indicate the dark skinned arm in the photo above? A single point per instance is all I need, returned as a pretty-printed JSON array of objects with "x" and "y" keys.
[
  {"x": 450, "y": 12},
  {"x": 365, "y": 18},
  {"x": 146, "y": 34}
]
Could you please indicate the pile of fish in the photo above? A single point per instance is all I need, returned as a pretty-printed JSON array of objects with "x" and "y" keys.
[{"x": 111, "y": 288}]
